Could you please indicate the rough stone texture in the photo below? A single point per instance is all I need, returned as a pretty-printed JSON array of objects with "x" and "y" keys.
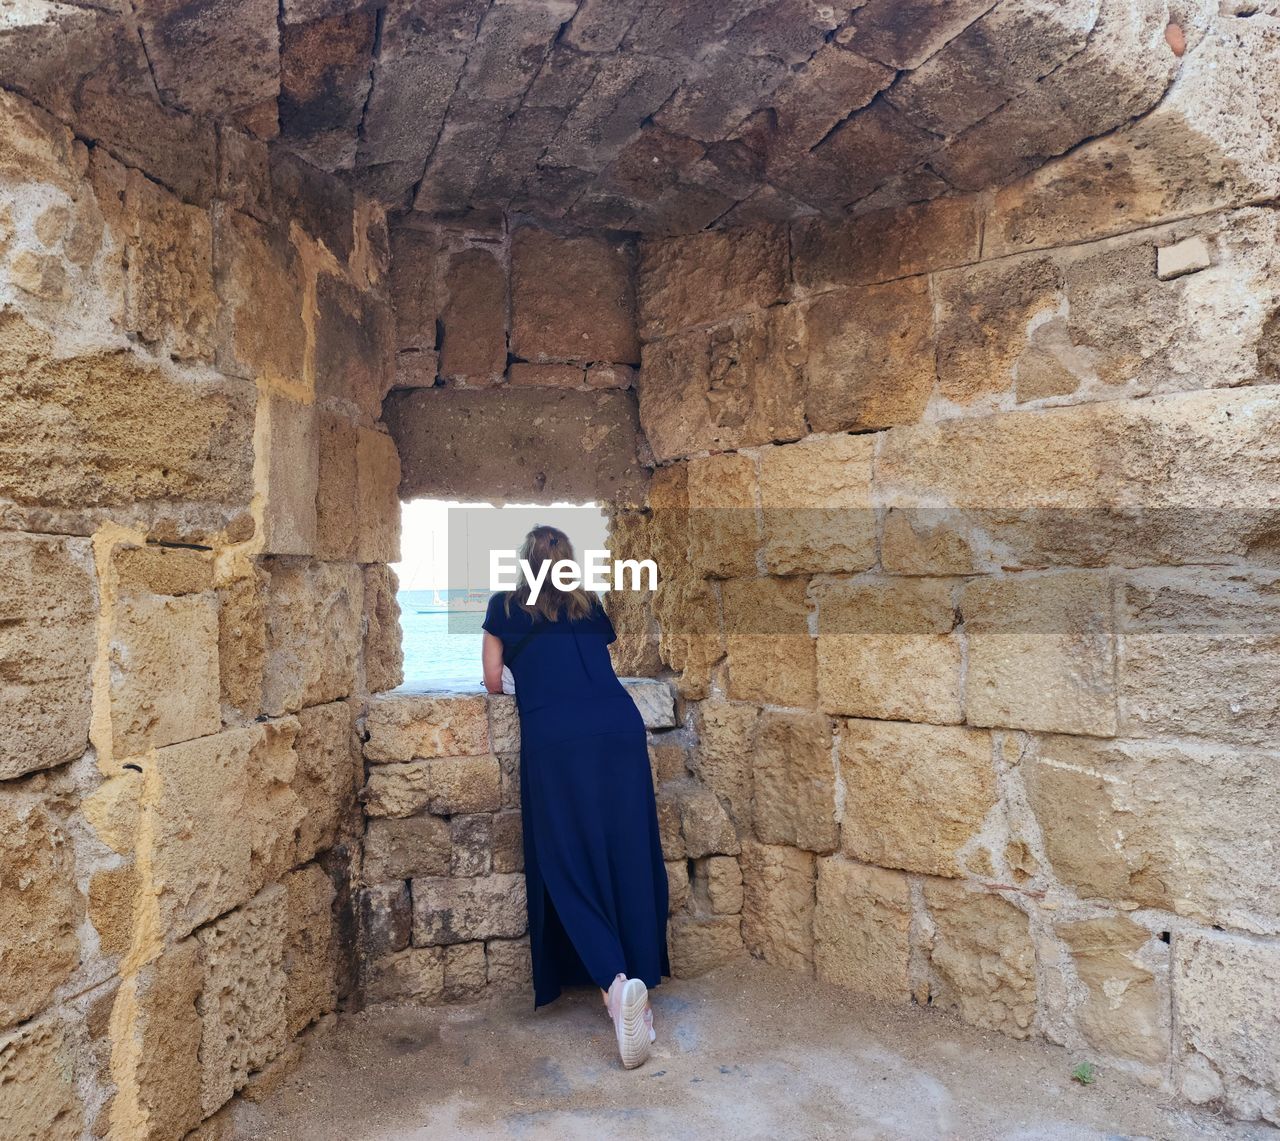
[
  {"x": 474, "y": 319},
  {"x": 47, "y": 611},
  {"x": 860, "y": 926},
  {"x": 571, "y": 299},
  {"x": 914, "y": 794},
  {"x": 354, "y": 339},
  {"x": 794, "y": 782},
  {"x": 705, "y": 827},
  {"x": 37, "y": 1084},
  {"x": 242, "y": 647},
  {"x": 459, "y": 910},
  {"x": 1119, "y": 817},
  {"x": 724, "y": 532},
  {"x": 309, "y": 948},
  {"x": 383, "y": 652},
  {"x": 656, "y": 701},
  {"x": 386, "y": 918},
  {"x": 415, "y": 975},
  {"x": 778, "y": 903},
  {"x": 442, "y": 785},
  {"x": 327, "y": 775},
  {"x": 573, "y": 446},
  {"x": 886, "y": 649},
  {"x": 723, "y": 759},
  {"x": 981, "y": 958},
  {"x": 700, "y": 944},
  {"x": 1225, "y": 988},
  {"x": 771, "y": 655},
  {"x": 402, "y": 728},
  {"x": 404, "y": 849},
  {"x": 508, "y": 965}
]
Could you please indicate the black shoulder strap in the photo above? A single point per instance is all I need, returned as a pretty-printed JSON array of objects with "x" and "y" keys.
[{"x": 509, "y": 656}]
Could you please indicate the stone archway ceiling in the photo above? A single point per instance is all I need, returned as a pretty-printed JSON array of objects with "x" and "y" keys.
[{"x": 658, "y": 116}]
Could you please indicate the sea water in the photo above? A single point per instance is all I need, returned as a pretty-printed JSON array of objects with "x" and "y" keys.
[{"x": 441, "y": 648}]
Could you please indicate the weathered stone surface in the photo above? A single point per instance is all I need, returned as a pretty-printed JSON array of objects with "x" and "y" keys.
[
  {"x": 1041, "y": 653},
  {"x": 403, "y": 727},
  {"x": 886, "y": 649},
  {"x": 778, "y": 904},
  {"x": 386, "y": 918},
  {"x": 547, "y": 375},
  {"x": 354, "y": 351},
  {"x": 47, "y": 642},
  {"x": 698, "y": 945},
  {"x": 242, "y": 646},
  {"x": 724, "y": 530},
  {"x": 310, "y": 948},
  {"x": 677, "y": 885},
  {"x": 474, "y": 319},
  {"x": 415, "y": 975},
  {"x": 914, "y": 794},
  {"x": 668, "y": 758},
  {"x": 981, "y": 958},
  {"x": 313, "y": 612},
  {"x": 707, "y": 277},
  {"x": 1124, "y": 1013},
  {"x": 905, "y": 35},
  {"x": 504, "y": 723},
  {"x": 442, "y": 785},
  {"x": 576, "y": 446},
  {"x": 510, "y": 970},
  {"x": 471, "y": 844},
  {"x": 717, "y": 885},
  {"x": 1118, "y": 818},
  {"x": 40, "y": 907},
  {"x": 655, "y": 699},
  {"x": 460, "y": 910},
  {"x": 243, "y": 1002},
  {"x": 771, "y": 655},
  {"x": 705, "y": 827},
  {"x": 398, "y": 849},
  {"x": 871, "y": 360},
  {"x": 377, "y": 484},
  {"x": 723, "y": 758},
  {"x": 291, "y": 443},
  {"x": 464, "y": 971},
  {"x": 336, "y": 487},
  {"x": 860, "y": 925},
  {"x": 383, "y": 651},
  {"x": 37, "y": 1084},
  {"x": 815, "y": 497},
  {"x": 327, "y": 774},
  {"x": 1225, "y": 989},
  {"x": 571, "y": 299},
  {"x": 794, "y": 792},
  {"x": 164, "y": 671},
  {"x": 727, "y": 387},
  {"x": 508, "y": 842},
  {"x": 417, "y": 287}
]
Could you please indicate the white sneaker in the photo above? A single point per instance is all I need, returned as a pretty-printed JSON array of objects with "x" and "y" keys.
[{"x": 627, "y": 1001}]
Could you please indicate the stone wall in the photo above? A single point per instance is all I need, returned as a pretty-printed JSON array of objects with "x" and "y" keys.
[
  {"x": 966, "y": 518},
  {"x": 196, "y": 507},
  {"x": 442, "y": 896}
]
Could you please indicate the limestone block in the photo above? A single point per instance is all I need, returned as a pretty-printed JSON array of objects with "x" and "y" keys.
[
  {"x": 697, "y": 945},
  {"x": 337, "y": 489},
  {"x": 611, "y": 375},
  {"x": 244, "y": 998},
  {"x": 914, "y": 794},
  {"x": 261, "y": 330},
  {"x": 402, "y": 727},
  {"x": 933, "y": 542},
  {"x": 417, "y": 291},
  {"x": 154, "y": 569},
  {"x": 378, "y": 503},
  {"x": 504, "y": 723},
  {"x": 884, "y": 245},
  {"x": 383, "y": 650},
  {"x": 871, "y": 356},
  {"x": 547, "y": 375},
  {"x": 571, "y": 299},
  {"x": 794, "y": 793},
  {"x": 460, "y": 910},
  {"x": 860, "y": 925},
  {"x": 717, "y": 885},
  {"x": 243, "y": 173},
  {"x": 441, "y": 785},
  {"x": 354, "y": 352},
  {"x": 386, "y": 918},
  {"x": 510, "y": 969},
  {"x": 722, "y": 759},
  {"x": 672, "y": 842},
  {"x": 778, "y": 903},
  {"x": 668, "y": 759},
  {"x": 1124, "y": 1013},
  {"x": 38, "y": 1100},
  {"x": 509, "y": 780},
  {"x": 40, "y": 905},
  {"x": 124, "y": 433},
  {"x": 1187, "y": 256},
  {"x": 402, "y": 849},
  {"x": 313, "y": 613},
  {"x": 728, "y": 387},
  {"x": 724, "y": 531},
  {"x": 705, "y": 827},
  {"x": 677, "y": 885},
  {"x": 47, "y": 615},
  {"x": 464, "y": 971},
  {"x": 1041, "y": 652},
  {"x": 1119, "y": 817},
  {"x": 471, "y": 844},
  {"x": 1201, "y": 655},
  {"x": 1228, "y": 1028},
  {"x": 508, "y": 842},
  {"x": 655, "y": 699},
  {"x": 242, "y": 646},
  {"x": 327, "y": 775},
  {"x": 415, "y": 975},
  {"x": 324, "y": 208},
  {"x": 887, "y": 649},
  {"x": 291, "y": 445},
  {"x": 694, "y": 280},
  {"x": 816, "y": 503},
  {"x": 164, "y": 671},
  {"x": 981, "y": 958},
  {"x": 310, "y": 948},
  {"x": 904, "y": 36},
  {"x": 771, "y": 655},
  {"x": 474, "y": 319}
]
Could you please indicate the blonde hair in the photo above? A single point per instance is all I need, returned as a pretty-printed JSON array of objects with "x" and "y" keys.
[{"x": 542, "y": 545}]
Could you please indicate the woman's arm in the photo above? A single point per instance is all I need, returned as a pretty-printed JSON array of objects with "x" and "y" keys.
[{"x": 491, "y": 659}]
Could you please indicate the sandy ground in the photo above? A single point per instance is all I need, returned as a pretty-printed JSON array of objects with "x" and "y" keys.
[{"x": 746, "y": 1053}]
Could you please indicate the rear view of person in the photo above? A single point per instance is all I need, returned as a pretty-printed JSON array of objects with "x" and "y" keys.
[{"x": 597, "y": 886}]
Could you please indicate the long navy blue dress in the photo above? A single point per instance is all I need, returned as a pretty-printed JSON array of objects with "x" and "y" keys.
[{"x": 596, "y": 882}]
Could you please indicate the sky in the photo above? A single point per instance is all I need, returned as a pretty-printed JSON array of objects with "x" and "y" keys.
[{"x": 446, "y": 544}]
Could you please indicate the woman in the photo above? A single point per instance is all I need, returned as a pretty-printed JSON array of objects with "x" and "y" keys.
[{"x": 597, "y": 886}]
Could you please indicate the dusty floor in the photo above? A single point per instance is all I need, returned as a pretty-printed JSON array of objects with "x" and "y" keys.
[{"x": 744, "y": 1053}]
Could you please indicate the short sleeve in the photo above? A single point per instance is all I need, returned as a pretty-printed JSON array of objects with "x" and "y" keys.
[{"x": 495, "y": 617}]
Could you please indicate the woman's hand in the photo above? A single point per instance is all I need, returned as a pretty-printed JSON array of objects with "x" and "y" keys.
[{"x": 491, "y": 660}]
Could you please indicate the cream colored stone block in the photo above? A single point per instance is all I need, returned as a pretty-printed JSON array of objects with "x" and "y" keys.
[
  {"x": 705, "y": 827},
  {"x": 915, "y": 795},
  {"x": 718, "y": 884},
  {"x": 383, "y": 649},
  {"x": 327, "y": 775},
  {"x": 655, "y": 699},
  {"x": 290, "y": 443},
  {"x": 447, "y": 911},
  {"x": 860, "y": 928},
  {"x": 723, "y": 756},
  {"x": 441, "y": 785},
  {"x": 794, "y": 785},
  {"x": 697, "y": 945},
  {"x": 38, "y": 1100},
  {"x": 724, "y": 532},
  {"x": 1186, "y": 256},
  {"x": 771, "y": 655},
  {"x": 677, "y": 885},
  {"x": 311, "y": 950},
  {"x": 778, "y": 904},
  {"x": 378, "y": 500},
  {"x": 403, "y": 727},
  {"x": 415, "y": 975},
  {"x": 504, "y": 723}
]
